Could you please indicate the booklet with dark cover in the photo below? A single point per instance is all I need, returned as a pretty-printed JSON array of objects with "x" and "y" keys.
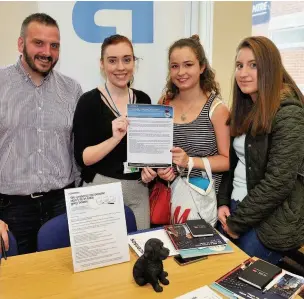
[
  {"x": 285, "y": 286},
  {"x": 200, "y": 228},
  {"x": 259, "y": 274},
  {"x": 183, "y": 239}
]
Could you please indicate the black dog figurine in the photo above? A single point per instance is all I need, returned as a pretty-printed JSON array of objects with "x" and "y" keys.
[{"x": 149, "y": 267}]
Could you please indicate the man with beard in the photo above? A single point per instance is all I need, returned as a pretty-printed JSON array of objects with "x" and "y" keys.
[{"x": 36, "y": 154}]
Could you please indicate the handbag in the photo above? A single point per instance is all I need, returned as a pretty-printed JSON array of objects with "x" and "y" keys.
[
  {"x": 160, "y": 203},
  {"x": 160, "y": 198},
  {"x": 190, "y": 202}
]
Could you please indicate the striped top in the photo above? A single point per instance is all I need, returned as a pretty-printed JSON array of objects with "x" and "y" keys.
[
  {"x": 36, "y": 153},
  {"x": 198, "y": 139}
]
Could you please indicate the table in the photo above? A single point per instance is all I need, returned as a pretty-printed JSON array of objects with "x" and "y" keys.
[{"x": 49, "y": 275}]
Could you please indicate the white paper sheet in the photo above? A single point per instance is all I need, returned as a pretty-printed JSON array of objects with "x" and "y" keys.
[
  {"x": 97, "y": 226},
  {"x": 150, "y": 135},
  {"x": 138, "y": 240},
  {"x": 201, "y": 293}
]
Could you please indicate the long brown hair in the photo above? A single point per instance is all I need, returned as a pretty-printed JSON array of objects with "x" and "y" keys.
[
  {"x": 274, "y": 84},
  {"x": 207, "y": 78}
]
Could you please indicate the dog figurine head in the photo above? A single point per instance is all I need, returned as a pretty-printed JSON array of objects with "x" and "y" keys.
[{"x": 155, "y": 250}]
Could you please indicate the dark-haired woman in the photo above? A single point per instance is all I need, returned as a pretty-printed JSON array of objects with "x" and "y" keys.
[{"x": 100, "y": 127}]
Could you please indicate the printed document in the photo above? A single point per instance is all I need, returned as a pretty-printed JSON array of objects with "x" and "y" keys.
[
  {"x": 97, "y": 226},
  {"x": 150, "y": 135},
  {"x": 137, "y": 240},
  {"x": 202, "y": 293}
]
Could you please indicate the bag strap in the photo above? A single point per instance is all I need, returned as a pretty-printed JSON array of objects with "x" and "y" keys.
[
  {"x": 215, "y": 103},
  {"x": 166, "y": 183},
  {"x": 209, "y": 174},
  {"x": 207, "y": 168},
  {"x": 190, "y": 167},
  {"x": 206, "y": 165}
]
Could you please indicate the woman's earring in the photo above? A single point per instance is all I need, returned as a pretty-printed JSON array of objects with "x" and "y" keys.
[{"x": 131, "y": 81}]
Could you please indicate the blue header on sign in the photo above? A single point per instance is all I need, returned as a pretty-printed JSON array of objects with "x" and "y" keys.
[{"x": 150, "y": 111}]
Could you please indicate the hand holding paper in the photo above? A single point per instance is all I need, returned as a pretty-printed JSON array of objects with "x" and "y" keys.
[
  {"x": 148, "y": 174},
  {"x": 119, "y": 127},
  {"x": 179, "y": 157},
  {"x": 166, "y": 174}
]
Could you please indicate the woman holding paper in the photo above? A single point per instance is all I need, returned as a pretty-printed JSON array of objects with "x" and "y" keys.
[
  {"x": 200, "y": 117},
  {"x": 261, "y": 198},
  {"x": 100, "y": 127}
]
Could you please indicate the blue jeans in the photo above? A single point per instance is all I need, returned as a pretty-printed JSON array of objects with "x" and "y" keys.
[{"x": 251, "y": 244}]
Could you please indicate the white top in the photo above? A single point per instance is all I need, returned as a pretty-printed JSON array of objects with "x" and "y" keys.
[{"x": 239, "y": 182}]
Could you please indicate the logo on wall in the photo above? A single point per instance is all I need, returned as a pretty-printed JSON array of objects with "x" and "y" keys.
[
  {"x": 260, "y": 12},
  {"x": 86, "y": 28}
]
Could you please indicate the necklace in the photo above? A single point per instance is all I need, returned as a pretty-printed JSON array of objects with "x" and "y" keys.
[
  {"x": 183, "y": 117},
  {"x": 116, "y": 109},
  {"x": 184, "y": 114}
]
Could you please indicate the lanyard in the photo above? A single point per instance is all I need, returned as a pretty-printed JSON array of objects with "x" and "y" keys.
[{"x": 116, "y": 109}]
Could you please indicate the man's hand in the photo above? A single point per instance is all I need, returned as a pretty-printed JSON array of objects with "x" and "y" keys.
[{"x": 4, "y": 235}]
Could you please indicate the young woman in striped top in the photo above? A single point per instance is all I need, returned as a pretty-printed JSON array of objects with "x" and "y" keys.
[{"x": 200, "y": 117}]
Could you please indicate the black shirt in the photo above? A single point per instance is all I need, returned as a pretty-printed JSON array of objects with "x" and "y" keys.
[{"x": 92, "y": 125}]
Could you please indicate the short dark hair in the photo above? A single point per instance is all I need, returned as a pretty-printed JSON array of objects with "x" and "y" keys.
[{"x": 41, "y": 18}]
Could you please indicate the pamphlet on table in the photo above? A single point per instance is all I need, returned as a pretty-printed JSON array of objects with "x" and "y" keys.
[
  {"x": 137, "y": 240},
  {"x": 201, "y": 293},
  {"x": 97, "y": 226}
]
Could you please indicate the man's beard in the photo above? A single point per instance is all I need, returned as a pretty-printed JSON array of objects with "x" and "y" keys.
[{"x": 31, "y": 62}]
